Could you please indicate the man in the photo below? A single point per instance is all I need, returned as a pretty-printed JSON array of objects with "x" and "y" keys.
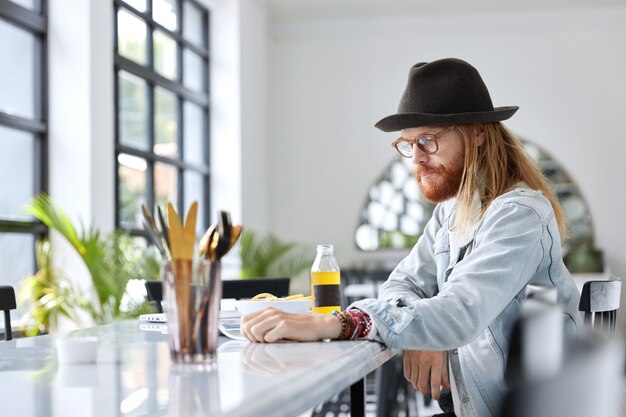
[{"x": 452, "y": 302}]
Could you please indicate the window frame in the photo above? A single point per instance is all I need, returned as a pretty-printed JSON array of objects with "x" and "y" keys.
[
  {"x": 34, "y": 22},
  {"x": 154, "y": 80}
]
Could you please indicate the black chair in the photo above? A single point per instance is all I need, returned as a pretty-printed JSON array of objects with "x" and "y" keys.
[
  {"x": 237, "y": 289},
  {"x": 600, "y": 301},
  {"x": 248, "y": 288},
  {"x": 154, "y": 289},
  {"x": 7, "y": 303}
]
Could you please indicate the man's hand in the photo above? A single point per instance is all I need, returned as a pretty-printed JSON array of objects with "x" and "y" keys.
[
  {"x": 273, "y": 325},
  {"x": 427, "y": 371}
]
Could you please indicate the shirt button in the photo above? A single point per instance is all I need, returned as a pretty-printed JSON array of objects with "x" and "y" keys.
[
  {"x": 455, "y": 351},
  {"x": 466, "y": 399}
]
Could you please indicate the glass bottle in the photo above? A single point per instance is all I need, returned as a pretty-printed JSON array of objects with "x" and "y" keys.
[{"x": 325, "y": 281}]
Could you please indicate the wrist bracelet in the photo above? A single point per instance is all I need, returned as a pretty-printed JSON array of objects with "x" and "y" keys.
[
  {"x": 360, "y": 322},
  {"x": 345, "y": 325}
]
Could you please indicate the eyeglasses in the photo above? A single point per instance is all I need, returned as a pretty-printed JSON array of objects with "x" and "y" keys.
[{"x": 427, "y": 143}]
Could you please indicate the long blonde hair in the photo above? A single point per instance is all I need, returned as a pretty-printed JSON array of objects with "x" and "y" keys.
[{"x": 495, "y": 167}]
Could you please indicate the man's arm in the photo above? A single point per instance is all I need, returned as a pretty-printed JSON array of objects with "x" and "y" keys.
[
  {"x": 507, "y": 251},
  {"x": 426, "y": 370},
  {"x": 413, "y": 279}
]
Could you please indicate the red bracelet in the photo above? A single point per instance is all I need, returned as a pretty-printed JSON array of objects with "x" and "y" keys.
[{"x": 361, "y": 323}]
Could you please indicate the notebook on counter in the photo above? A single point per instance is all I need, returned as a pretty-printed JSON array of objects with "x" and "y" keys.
[
  {"x": 162, "y": 317},
  {"x": 154, "y": 317},
  {"x": 228, "y": 325}
]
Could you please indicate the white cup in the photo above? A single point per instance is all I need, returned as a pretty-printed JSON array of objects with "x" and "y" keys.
[
  {"x": 79, "y": 375},
  {"x": 73, "y": 350}
]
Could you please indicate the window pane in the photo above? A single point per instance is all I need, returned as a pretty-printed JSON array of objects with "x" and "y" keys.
[
  {"x": 165, "y": 123},
  {"x": 132, "y": 189},
  {"x": 131, "y": 37},
  {"x": 29, "y": 4},
  {"x": 133, "y": 113},
  {"x": 194, "y": 191},
  {"x": 141, "y": 241},
  {"x": 164, "y": 55},
  {"x": 165, "y": 184},
  {"x": 17, "y": 71},
  {"x": 192, "y": 25},
  {"x": 137, "y": 4},
  {"x": 17, "y": 259},
  {"x": 194, "y": 134},
  {"x": 16, "y": 170},
  {"x": 164, "y": 12},
  {"x": 395, "y": 213},
  {"x": 193, "y": 76}
]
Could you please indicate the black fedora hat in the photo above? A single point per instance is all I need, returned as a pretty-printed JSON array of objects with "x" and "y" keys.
[{"x": 444, "y": 92}]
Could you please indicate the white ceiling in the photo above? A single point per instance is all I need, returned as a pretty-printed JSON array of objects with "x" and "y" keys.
[{"x": 290, "y": 10}]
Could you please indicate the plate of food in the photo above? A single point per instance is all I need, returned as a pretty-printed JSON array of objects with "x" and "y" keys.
[{"x": 297, "y": 303}]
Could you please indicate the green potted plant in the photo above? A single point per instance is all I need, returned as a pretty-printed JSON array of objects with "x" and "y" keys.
[
  {"x": 112, "y": 261},
  {"x": 48, "y": 294}
]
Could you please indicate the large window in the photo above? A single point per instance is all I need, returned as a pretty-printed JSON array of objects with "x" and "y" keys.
[
  {"x": 162, "y": 99},
  {"x": 23, "y": 132}
]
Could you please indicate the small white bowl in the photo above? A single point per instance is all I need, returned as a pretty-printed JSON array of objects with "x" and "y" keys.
[
  {"x": 73, "y": 350},
  {"x": 292, "y": 306}
]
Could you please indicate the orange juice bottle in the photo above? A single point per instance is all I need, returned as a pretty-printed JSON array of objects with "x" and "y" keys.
[{"x": 325, "y": 281}]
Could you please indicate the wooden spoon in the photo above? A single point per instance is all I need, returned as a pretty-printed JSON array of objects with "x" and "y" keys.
[
  {"x": 182, "y": 238},
  {"x": 204, "y": 247},
  {"x": 189, "y": 231},
  {"x": 235, "y": 235}
]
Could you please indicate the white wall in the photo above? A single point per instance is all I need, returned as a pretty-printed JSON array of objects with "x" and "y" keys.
[
  {"x": 81, "y": 127},
  {"x": 255, "y": 142},
  {"x": 225, "y": 110},
  {"x": 239, "y": 157},
  {"x": 331, "y": 80}
]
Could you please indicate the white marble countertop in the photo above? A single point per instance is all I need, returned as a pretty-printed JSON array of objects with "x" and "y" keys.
[{"x": 133, "y": 376}]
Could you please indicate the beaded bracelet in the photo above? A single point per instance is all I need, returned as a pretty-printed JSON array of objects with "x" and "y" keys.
[
  {"x": 361, "y": 323},
  {"x": 346, "y": 328},
  {"x": 355, "y": 324}
]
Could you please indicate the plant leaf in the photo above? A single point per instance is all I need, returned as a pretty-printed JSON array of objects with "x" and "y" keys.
[{"x": 269, "y": 257}]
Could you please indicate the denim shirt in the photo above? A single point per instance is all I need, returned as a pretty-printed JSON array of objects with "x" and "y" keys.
[{"x": 468, "y": 305}]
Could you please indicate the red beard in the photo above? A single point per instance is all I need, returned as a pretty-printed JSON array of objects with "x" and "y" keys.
[{"x": 442, "y": 183}]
